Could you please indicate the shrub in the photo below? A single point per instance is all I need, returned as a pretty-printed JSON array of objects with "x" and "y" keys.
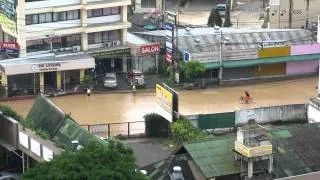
[
  {"x": 156, "y": 126},
  {"x": 8, "y": 111},
  {"x": 183, "y": 131},
  {"x": 192, "y": 69}
]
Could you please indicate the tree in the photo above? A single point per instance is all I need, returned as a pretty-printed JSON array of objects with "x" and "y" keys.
[
  {"x": 227, "y": 20},
  {"x": 95, "y": 161},
  {"x": 192, "y": 69},
  {"x": 214, "y": 18}
]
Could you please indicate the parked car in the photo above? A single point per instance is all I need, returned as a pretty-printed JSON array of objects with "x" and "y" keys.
[
  {"x": 135, "y": 77},
  {"x": 110, "y": 80},
  {"x": 221, "y": 8}
]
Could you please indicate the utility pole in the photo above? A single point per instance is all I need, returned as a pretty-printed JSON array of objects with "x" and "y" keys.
[
  {"x": 307, "y": 21},
  {"x": 220, "y": 59}
]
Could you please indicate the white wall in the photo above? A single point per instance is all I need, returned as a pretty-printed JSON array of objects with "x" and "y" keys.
[
  {"x": 50, "y": 3},
  {"x": 313, "y": 114},
  {"x": 271, "y": 114},
  {"x": 104, "y": 19},
  {"x": 52, "y": 26}
]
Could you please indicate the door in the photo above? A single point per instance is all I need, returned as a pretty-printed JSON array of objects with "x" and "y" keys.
[
  {"x": 50, "y": 81},
  {"x": 271, "y": 69}
]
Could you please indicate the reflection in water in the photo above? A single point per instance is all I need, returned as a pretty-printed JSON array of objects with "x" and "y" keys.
[{"x": 124, "y": 107}]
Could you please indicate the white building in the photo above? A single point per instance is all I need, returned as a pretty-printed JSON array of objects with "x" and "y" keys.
[{"x": 65, "y": 29}]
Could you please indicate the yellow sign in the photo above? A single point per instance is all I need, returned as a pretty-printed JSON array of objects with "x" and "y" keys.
[
  {"x": 8, "y": 25},
  {"x": 253, "y": 151},
  {"x": 164, "y": 98},
  {"x": 275, "y": 52}
]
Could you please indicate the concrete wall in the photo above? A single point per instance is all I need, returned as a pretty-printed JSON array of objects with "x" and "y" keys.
[
  {"x": 305, "y": 49},
  {"x": 272, "y": 114},
  {"x": 302, "y": 67},
  {"x": 299, "y": 13},
  {"x": 314, "y": 110}
]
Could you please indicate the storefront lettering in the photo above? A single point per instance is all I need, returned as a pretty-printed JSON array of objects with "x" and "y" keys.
[
  {"x": 150, "y": 49},
  {"x": 106, "y": 54},
  {"x": 45, "y": 67}
]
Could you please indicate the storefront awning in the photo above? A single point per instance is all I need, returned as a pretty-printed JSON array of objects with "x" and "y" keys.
[
  {"x": 47, "y": 63},
  {"x": 253, "y": 62}
]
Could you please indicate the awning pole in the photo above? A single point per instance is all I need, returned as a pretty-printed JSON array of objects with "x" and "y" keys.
[
  {"x": 34, "y": 83},
  {"x": 64, "y": 81}
]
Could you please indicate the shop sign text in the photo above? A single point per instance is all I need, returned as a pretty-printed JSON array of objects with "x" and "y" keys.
[
  {"x": 150, "y": 49},
  {"x": 47, "y": 67}
]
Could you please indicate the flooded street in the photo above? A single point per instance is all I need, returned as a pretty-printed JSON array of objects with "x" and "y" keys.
[{"x": 112, "y": 108}]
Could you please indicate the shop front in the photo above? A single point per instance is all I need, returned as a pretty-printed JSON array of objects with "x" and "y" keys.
[
  {"x": 28, "y": 76},
  {"x": 112, "y": 60},
  {"x": 146, "y": 57}
]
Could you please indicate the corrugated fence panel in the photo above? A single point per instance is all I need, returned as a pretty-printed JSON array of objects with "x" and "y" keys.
[
  {"x": 219, "y": 120},
  {"x": 272, "y": 114}
]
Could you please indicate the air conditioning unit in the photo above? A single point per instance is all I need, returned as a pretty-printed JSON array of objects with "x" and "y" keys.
[
  {"x": 116, "y": 43},
  {"x": 108, "y": 44},
  {"x": 76, "y": 48}
]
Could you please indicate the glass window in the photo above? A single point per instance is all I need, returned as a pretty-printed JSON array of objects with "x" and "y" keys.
[
  {"x": 91, "y": 38},
  {"x": 89, "y": 13},
  {"x": 107, "y": 11},
  {"x": 42, "y": 18},
  {"x": 55, "y": 17},
  {"x": 63, "y": 16},
  {"x": 105, "y": 36},
  {"x": 48, "y": 17},
  {"x": 115, "y": 10},
  {"x": 96, "y": 12},
  {"x": 70, "y": 15},
  {"x": 76, "y": 14},
  {"x": 98, "y": 37},
  {"x": 114, "y": 35},
  {"x": 35, "y": 19},
  {"x": 28, "y": 19}
]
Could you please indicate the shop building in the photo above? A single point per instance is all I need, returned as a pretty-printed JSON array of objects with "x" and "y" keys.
[
  {"x": 96, "y": 27},
  {"x": 145, "y": 54},
  {"x": 235, "y": 54}
]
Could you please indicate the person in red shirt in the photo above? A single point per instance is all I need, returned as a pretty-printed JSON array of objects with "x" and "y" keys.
[{"x": 246, "y": 97}]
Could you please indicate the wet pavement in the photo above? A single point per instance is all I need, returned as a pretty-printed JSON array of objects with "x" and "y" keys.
[{"x": 124, "y": 107}]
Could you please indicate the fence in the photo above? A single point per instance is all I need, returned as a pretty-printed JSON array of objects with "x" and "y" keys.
[{"x": 119, "y": 130}]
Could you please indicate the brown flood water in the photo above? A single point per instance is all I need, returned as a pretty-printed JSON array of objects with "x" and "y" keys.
[{"x": 112, "y": 108}]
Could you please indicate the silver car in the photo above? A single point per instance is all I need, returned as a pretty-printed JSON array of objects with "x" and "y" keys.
[{"x": 110, "y": 80}]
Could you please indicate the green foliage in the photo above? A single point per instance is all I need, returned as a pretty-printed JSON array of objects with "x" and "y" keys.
[
  {"x": 87, "y": 80},
  {"x": 156, "y": 125},
  {"x": 95, "y": 161},
  {"x": 8, "y": 111},
  {"x": 184, "y": 131},
  {"x": 152, "y": 70},
  {"x": 171, "y": 78},
  {"x": 42, "y": 133},
  {"x": 192, "y": 69},
  {"x": 214, "y": 19},
  {"x": 2, "y": 91}
]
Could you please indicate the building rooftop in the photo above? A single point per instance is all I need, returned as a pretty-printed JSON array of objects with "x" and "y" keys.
[{"x": 296, "y": 150}]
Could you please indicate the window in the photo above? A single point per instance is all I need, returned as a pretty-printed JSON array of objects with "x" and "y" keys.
[
  {"x": 52, "y": 17},
  {"x": 103, "y": 37},
  {"x": 103, "y": 12}
]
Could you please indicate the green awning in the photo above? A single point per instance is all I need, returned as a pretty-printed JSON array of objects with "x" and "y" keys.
[{"x": 252, "y": 62}]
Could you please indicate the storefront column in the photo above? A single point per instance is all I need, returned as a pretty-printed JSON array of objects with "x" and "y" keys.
[
  {"x": 84, "y": 41},
  {"x": 58, "y": 80},
  {"x": 81, "y": 75},
  {"x": 157, "y": 63},
  {"x": 41, "y": 74},
  {"x": 124, "y": 13},
  {"x": 4, "y": 83},
  {"x": 124, "y": 36},
  {"x": 124, "y": 64}
]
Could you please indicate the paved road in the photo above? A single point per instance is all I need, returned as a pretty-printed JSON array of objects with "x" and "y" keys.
[{"x": 108, "y": 108}]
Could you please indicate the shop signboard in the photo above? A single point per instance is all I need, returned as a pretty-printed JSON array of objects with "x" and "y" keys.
[
  {"x": 107, "y": 54},
  {"x": 150, "y": 49},
  {"x": 170, "y": 22},
  {"x": 46, "y": 67},
  {"x": 186, "y": 56},
  {"x": 8, "y": 16},
  {"x": 167, "y": 100},
  {"x": 9, "y": 48}
]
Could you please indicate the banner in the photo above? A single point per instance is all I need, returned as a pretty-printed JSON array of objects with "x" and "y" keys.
[{"x": 8, "y": 16}]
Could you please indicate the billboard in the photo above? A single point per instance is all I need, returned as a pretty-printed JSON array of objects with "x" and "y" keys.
[
  {"x": 275, "y": 52},
  {"x": 170, "y": 23},
  {"x": 8, "y": 16},
  {"x": 167, "y": 100},
  {"x": 150, "y": 49}
]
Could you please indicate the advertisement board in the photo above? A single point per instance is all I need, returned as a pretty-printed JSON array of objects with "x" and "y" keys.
[
  {"x": 9, "y": 48},
  {"x": 168, "y": 101},
  {"x": 275, "y": 52},
  {"x": 170, "y": 22},
  {"x": 8, "y": 16}
]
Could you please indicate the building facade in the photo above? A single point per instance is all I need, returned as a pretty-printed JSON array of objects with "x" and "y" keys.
[
  {"x": 293, "y": 13},
  {"x": 71, "y": 27}
]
